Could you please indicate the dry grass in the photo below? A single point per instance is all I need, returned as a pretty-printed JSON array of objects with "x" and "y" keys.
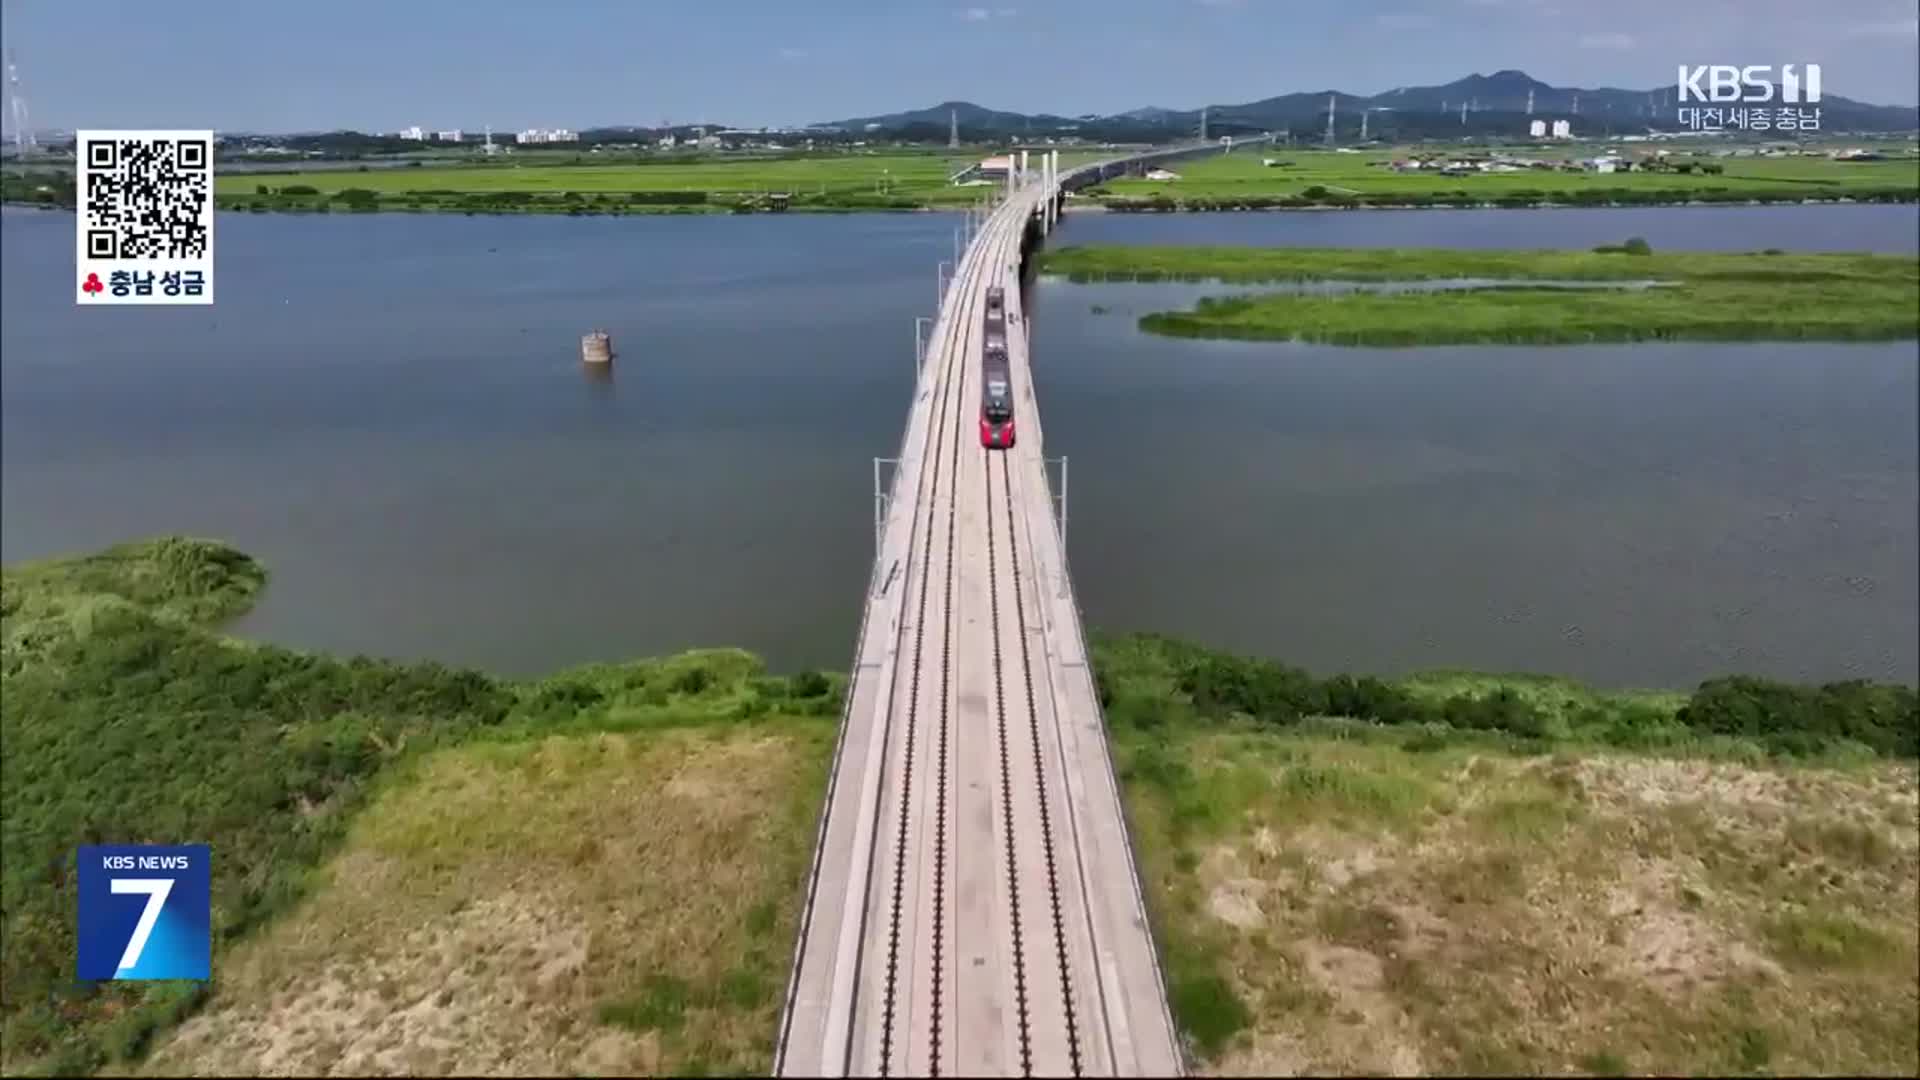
[
  {"x": 1380, "y": 911},
  {"x": 599, "y": 904}
]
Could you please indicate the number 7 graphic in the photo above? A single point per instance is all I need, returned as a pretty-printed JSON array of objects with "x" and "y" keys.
[{"x": 156, "y": 890}]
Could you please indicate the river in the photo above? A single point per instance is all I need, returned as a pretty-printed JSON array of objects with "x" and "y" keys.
[{"x": 390, "y": 412}]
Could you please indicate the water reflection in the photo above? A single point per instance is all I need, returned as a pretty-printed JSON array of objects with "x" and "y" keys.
[
  {"x": 1633, "y": 514},
  {"x": 599, "y": 378},
  {"x": 432, "y": 481}
]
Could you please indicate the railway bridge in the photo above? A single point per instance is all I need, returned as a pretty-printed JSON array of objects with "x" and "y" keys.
[{"x": 973, "y": 907}]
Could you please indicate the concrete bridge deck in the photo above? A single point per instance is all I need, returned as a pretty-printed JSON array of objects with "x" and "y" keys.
[{"x": 974, "y": 908}]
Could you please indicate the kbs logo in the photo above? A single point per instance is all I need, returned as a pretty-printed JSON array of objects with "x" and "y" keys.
[
  {"x": 1749, "y": 85},
  {"x": 1739, "y": 87},
  {"x": 145, "y": 912}
]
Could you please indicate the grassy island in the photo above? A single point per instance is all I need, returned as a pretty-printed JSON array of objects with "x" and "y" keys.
[
  {"x": 1686, "y": 296},
  {"x": 421, "y": 869}
]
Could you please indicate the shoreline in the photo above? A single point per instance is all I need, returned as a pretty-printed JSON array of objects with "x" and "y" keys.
[
  {"x": 1302, "y": 206},
  {"x": 118, "y": 666},
  {"x": 1073, "y": 206},
  {"x": 1763, "y": 296}
]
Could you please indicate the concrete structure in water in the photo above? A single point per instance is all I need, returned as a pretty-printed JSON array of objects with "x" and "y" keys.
[{"x": 596, "y": 348}]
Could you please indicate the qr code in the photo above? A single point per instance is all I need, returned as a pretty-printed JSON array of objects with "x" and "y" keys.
[
  {"x": 147, "y": 198},
  {"x": 145, "y": 229}
]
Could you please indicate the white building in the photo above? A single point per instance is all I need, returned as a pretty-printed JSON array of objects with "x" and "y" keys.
[
  {"x": 555, "y": 135},
  {"x": 1537, "y": 129},
  {"x": 447, "y": 136},
  {"x": 413, "y": 133},
  {"x": 1563, "y": 129}
]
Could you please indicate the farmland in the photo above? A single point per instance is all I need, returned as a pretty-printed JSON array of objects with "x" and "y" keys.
[
  {"x": 1318, "y": 177},
  {"x": 856, "y": 181}
]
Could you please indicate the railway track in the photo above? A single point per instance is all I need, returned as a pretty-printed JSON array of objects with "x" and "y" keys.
[
  {"x": 961, "y": 935},
  {"x": 916, "y": 876}
]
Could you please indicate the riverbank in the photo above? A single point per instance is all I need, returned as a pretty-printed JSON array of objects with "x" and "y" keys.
[
  {"x": 1272, "y": 178},
  {"x": 1269, "y": 179},
  {"x": 379, "y": 828},
  {"x": 1596, "y": 197},
  {"x": 1691, "y": 296},
  {"x": 801, "y": 183}
]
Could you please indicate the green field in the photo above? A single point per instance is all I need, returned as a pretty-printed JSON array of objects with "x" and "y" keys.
[
  {"x": 1333, "y": 178},
  {"x": 420, "y": 869},
  {"x": 126, "y": 718},
  {"x": 1698, "y": 296},
  {"x": 884, "y": 181}
]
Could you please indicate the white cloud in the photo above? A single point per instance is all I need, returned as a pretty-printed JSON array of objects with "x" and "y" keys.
[
  {"x": 790, "y": 53},
  {"x": 1395, "y": 20},
  {"x": 975, "y": 14},
  {"x": 1607, "y": 39}
]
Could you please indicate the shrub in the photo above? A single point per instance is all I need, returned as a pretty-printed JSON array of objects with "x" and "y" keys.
[
  {"x": 667, "y": 198},
  {"x": 1258, "y": 688},
  {"x": 1885, "y": 718},
  {"x": 1502, "y": 710}
]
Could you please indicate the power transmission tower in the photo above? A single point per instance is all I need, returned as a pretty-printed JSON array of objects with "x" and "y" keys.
[
  {"x": 1203, "y": 124},
  {"x": 953, "y": 129},
  {"x": 1330, "y": 101}
]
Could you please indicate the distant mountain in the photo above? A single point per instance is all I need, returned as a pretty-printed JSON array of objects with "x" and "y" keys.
[
  {"x": 1493, "y": 103},
  {"x": 970, "y": 117}
]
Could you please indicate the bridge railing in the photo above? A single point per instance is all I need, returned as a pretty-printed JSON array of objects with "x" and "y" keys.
[{"x": 783, "y": 1030}]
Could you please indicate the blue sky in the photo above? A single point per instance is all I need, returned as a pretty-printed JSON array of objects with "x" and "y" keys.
[{"x": 387, "y": 64}]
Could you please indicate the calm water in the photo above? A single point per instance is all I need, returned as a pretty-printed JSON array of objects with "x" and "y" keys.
[
  {"x": 1892, "y": 229},
  {"x": 389, "y": 411}
]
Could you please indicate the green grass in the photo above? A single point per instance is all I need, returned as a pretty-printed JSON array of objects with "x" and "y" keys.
[
  {"x": 1705, "y": 297},
  {"x": 1467, "y": 797},
  {"x": 1152, "y": 683},
  {"x": 126, "y": 719},
  {"x": 1824, "y": 941},
  {"x": 854, "y": 180},
  {"x": 663, "y": 809},
  {"x": 1502, "y": 912},
  {"x": 1239, "y": 178}
]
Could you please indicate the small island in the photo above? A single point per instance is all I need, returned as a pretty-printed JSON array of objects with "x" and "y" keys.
[{"x": 1614, "y": 293}]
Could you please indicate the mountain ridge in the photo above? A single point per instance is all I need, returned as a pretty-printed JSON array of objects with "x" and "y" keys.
[{"x": 1489, "y": 100}]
